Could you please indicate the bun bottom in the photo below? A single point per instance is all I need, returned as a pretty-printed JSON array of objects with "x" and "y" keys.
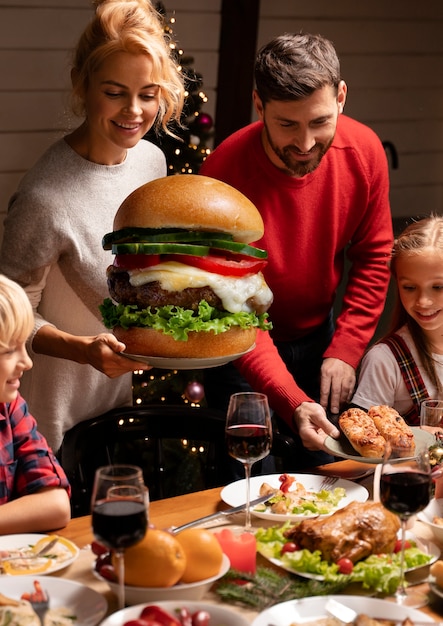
[{"x": 202, "y": 345}]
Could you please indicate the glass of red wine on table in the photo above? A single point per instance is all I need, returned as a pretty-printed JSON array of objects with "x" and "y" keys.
[
  {"x": 248, "y": 434},
  {"x": 119, "y": 513},
  {"x": 405, "y": 487}
]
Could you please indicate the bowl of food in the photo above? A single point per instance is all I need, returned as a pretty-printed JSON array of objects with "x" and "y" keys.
[
  {"x": 199, "y": 613},
  {"x": 164, "y": 566},
  {"x": 179, "y": 591},
  {"x": 432, "y": 516}
]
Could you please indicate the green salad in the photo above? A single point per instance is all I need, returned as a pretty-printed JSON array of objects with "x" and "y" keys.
[
  {"x": 380, "y": 572},
  {"x": 304, "y": 502}
]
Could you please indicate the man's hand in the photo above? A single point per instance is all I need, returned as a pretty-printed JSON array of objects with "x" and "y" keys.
[
  {"x": 313, "y": 425},
  {"x": 337, "y": 384}
]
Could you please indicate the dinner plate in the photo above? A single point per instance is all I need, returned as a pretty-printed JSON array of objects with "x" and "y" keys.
[
  {"x": 67, "y": 550},
  {"x": 234, "y": 494},
  {"x": 342, "y": 448},
  {"x": 88, "y": 606},
  {"x": 185, "y": 364},
  {"x": 425, "y": 546},
  {"x": 307, "y": 610},
  {"x": 219, "y": 614}
]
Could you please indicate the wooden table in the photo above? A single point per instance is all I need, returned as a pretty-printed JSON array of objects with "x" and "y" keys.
[{"x": 181, "y": 509}]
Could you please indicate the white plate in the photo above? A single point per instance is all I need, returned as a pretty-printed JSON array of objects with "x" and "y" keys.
[
  {"x": 342, "y": 448},
  {"x": 425, "y": 546},
  {"x": 219, "y": 614},
  {"x": 311, "y": 609},
  {"x": 185, "y": 364},
  {"x": 87, "y": 605},
  {"x": 16, "y": 542},
  {"x": 234, "y": 494}
]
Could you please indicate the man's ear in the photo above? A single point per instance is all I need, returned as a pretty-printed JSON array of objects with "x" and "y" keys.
[
  {"x": 258, "y": 104},
  {"x": 341, "y": 95}
]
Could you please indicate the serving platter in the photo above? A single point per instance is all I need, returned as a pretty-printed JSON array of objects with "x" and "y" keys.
[
  {"x": 185, "y": 364},
  {"x": 88, "y": 606},
  {"x": 342, "y": 448},
  {"x": 309, "y": 610},
  {"x": 234, "y": 494},
  {"x": 424, "y": 545},
  {"x": 63, "y": 554}
]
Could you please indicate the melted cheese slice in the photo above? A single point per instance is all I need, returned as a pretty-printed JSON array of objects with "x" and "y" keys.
[{"x": 234, "y": 292}]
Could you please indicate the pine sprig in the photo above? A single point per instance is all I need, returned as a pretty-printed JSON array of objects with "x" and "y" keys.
[{"x": 267, "y": 587}]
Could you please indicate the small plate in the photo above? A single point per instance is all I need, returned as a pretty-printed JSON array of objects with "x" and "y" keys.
[
  {"x": 311, "y": 609},
  {"x": 342, "y": 448},
  {"x": 67, "y": 551},
  {"x": 185, "y": 364},
  {"x": 425, "y": 546},
  {"x": 234, "y": 494},
  {"x": 219, "y": 614},
  {"x": 87, "y": 605}
]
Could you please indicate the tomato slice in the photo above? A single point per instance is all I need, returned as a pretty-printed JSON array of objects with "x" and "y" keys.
[
  {"x": 238, "y": 266},
  {"x": 136, "y": 261}
]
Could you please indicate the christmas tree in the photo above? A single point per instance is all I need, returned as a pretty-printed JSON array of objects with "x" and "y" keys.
[
  {"x": 186, "y": 152},
  {"x": 184, "y": 155}
]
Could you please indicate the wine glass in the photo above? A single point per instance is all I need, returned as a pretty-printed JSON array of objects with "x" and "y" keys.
[
  {"x": 431, "y": 417},
  {"x": 119, "y": 513},
  {"x": 405, "y": 486},
  {"x": 248, "y": 434}
]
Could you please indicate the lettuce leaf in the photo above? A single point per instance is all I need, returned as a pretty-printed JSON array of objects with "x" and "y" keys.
[{"x": 177, "y": 321}]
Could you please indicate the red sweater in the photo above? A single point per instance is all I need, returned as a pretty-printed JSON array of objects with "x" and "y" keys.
[{"x": 309, "y": 223}]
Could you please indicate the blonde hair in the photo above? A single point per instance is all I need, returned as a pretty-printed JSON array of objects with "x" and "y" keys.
[
  {"x": 16, "y": 316},
  {"x": 418, "y": 239},
  {"x": 132, "y": 26}
]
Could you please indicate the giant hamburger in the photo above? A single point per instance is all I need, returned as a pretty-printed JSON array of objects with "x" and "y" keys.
[{"x": 185, "y": 283}]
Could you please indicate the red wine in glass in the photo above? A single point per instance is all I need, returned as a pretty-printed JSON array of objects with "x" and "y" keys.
[
  {"x": 248, "y": 443},
  {"x": 119, "y": 524},
  {"x": 248, "y": 434},
  {"x": 405, "y": 486},
  {"x": 404, "y": 493},
  {"x": 118, "y": 511}
]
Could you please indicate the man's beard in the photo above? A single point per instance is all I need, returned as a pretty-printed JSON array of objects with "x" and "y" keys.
[{"x": 295, "y": 167}]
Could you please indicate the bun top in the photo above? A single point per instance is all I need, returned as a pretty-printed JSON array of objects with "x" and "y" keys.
[{"x": 193, "y": 202}]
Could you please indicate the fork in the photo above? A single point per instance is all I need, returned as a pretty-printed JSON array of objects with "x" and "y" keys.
[
  {"x": 39, "y": 600},
  {"x": 328, "y": 481}
]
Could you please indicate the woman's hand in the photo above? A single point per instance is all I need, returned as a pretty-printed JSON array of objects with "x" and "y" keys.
[{"x": 102, "y": 351}]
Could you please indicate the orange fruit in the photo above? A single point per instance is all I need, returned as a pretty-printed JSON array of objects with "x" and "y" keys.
[
  {"x": 203, "y": 554},
  {"x": 157, "y": 561}
]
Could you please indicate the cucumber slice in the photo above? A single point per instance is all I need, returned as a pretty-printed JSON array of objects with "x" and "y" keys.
[
  {"x": 160, "y": 248},
  {"x": 154, "y": 235},
  {"x": 196, "y": 249}
]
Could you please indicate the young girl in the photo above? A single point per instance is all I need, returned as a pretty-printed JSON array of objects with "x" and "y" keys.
[
  {"x": 33, "y": 487},
  {"x": 124, "y": 82},
  {"x": 406, "y": 366}
]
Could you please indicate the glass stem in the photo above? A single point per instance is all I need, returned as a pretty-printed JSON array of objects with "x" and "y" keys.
[
  {"x": 248, "y": 525},
  {"x": 121, "y": 578},
  {"x": 401, "y": 592}
]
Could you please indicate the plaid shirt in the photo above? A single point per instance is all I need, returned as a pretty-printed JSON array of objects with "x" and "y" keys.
[{"x": 27, "y": 464}]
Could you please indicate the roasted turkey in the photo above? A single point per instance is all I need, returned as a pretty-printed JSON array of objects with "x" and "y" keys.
[{"x": 354, "y": 532}]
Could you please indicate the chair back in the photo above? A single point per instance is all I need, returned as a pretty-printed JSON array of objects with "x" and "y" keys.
[{"x": 180, "y": 448}]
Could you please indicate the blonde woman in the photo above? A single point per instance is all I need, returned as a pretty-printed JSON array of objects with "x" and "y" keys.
[{"x": 124, "y": 82}]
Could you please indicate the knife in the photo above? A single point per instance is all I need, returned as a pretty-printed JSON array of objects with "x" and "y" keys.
[{"x": 220, "y": 515}]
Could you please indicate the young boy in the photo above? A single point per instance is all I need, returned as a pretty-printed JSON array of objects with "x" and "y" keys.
[{"x": 34, "y": 490}]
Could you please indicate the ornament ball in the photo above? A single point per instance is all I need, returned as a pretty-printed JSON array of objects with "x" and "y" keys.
[
  {"x": 194, "y": 391},
  {"x": 204, "y": 121}
]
